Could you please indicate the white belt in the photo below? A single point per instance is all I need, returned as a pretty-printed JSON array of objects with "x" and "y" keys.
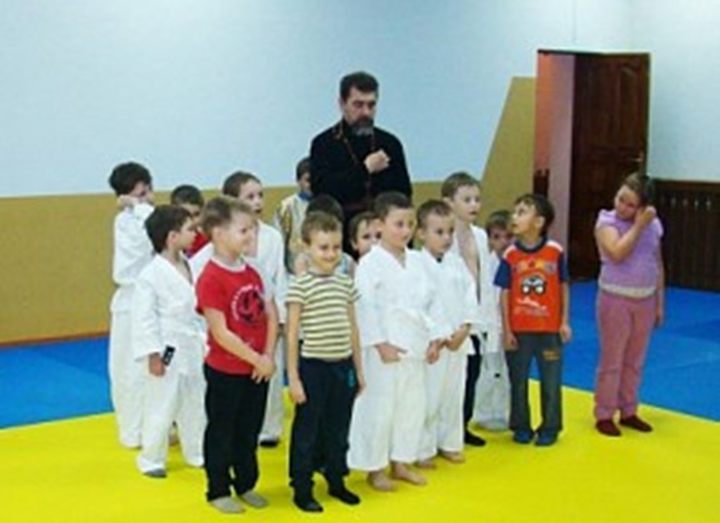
[{"x": 628, "y": 292}]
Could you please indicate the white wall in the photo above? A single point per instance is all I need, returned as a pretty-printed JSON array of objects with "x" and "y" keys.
[
  {"x": 198, "y": 88},
  {"x": 685, "y": 71}
]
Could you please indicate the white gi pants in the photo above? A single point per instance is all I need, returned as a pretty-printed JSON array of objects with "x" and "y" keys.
[
  {"x": 178, "y": 398},
  {"x": 126, "y": 380},
  {"x": 444, "y": 427},
  {"x": 275, "y": 408},
  {"x": 388, "y": 416}
]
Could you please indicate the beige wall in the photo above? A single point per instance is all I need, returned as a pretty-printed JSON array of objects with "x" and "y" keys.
[{"x": 56, "y": 265}]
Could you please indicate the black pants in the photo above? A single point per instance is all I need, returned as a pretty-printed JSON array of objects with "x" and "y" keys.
[
  {"x": 235, "y": 406},
  {"x": 473, "y": 372},
  {"x": 323, "y": 420}
]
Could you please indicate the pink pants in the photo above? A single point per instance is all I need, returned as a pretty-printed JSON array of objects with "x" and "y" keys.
[{"x": 625, "y": 325}]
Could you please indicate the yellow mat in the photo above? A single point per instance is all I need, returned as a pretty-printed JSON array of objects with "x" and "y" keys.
[{"x": 75, "y": 471}]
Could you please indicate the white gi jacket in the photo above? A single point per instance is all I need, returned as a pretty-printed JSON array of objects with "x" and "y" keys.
[
  {"x": 487, "y": 317},
  {"x": 163, "y": 314},
  {"x": 132, "y": 251}
]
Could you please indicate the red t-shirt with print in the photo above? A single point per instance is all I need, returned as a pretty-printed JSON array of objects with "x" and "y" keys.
[{"x": 239, "y": 294}]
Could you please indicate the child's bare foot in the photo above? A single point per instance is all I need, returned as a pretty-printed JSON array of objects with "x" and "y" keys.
[
  {"x": 379, "y": 481},
  {"x": 426, "y": 464},
  {"x": 452, "y": 457},
  {"x": 402, "y": 472}
]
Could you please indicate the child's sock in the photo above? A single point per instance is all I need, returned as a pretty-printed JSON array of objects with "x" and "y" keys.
[
  {"x": 254, "y": 499},
  {"x": 343, "y": 494}
]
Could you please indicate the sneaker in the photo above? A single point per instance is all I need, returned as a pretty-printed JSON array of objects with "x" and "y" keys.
[
  {"x": 546, "y": 439},
  {"x": 523, "y": 436},
  {"x": 344, "y": 495},
  {"x": 607, "y": 427},
  {"x": 636, "y": 423},
  {"x": 156, "y": 473},
  {"x": 474, "y": 440},
  {"x": 307, "y": 504},
  {"x": 254, "y": 499},
  {"x": 227, "y": 505}
]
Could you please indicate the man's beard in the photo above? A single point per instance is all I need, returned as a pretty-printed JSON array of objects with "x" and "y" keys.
[{"x": 363, "y": 127}]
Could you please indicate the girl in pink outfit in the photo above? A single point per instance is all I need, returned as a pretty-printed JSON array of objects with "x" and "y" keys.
[{"x": 630, "y": 301}]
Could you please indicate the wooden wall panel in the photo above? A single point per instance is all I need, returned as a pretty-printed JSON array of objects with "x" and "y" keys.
[{"x": 690, "y": 212}]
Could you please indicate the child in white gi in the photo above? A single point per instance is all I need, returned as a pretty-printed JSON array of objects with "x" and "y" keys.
[
  {"x": 396, "y": 334},
  {"x": 132, "y": 251},
  {"x": 455, "y": 294},
  {"x": 492, "y": 397},
  {"x": 169, "y": 339},
  {"x": 462, "y": 192}
]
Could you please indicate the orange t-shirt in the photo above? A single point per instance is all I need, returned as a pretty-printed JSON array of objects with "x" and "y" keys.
[{"x": 534, "y": 279}]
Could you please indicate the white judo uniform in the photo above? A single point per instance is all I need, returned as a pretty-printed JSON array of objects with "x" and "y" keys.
[
  {"x": 492, "y": 404},
  {"x": 164, "y": 315},
  {"x": 132, "y": 251},
  {"x": 395, "y": 306},
  {"x": 270, "y": 263},
  {"x": 455, "y": 292}
]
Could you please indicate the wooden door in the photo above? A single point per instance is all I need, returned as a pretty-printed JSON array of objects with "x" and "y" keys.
[{"x": 610, "y": 118}]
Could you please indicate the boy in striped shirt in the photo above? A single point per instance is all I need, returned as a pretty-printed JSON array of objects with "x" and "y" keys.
[{"x": 325, "y": 374}]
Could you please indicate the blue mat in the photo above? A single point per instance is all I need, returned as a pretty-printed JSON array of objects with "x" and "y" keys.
[{"x": 47, "y": 382}]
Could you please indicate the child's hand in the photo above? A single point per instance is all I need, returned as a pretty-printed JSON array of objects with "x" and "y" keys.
[
  {"x": 659, "y": 316},
  {"x": 644, "y": 216},
  {"x": 297, "y": 392},
  {"x": 360, "y": 377},
  {"x": 565, "y": 333},
  {"x": 389, "y": 353},
  {"x": 511, "y": 343},
  {"x": 458, "y": 337},
  {"x": 433, "y": 352},
  {"x": 125, "y": 200},
  {"x": 264, "y": 369},
  {"x": 156, "y": 365}
]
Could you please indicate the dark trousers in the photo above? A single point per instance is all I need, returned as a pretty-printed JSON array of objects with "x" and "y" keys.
[
  {"x": 321, "y": 424},
  {"x": 473, "y": 372},
  {"x": 546, "y": 348},
  {"x": 235, "y": 406}
]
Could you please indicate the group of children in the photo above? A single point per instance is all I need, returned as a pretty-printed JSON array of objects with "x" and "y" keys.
[{"x": 383, "y": 352}]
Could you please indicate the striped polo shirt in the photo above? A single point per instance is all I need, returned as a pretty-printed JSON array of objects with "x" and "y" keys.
[{"x": 324, "y": 318}]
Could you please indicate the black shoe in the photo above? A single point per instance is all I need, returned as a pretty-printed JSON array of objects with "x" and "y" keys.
[
  {"x": 269, "y": 443},
  {"x": 474, "y": 440},
  {"x": 344, "y": 495},
  {"x": 307, "y": 504}
]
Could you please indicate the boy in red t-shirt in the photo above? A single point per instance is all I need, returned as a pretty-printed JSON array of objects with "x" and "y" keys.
[
  {"x": 535, "y": 303},
  {"x": 242, "y": 325}
]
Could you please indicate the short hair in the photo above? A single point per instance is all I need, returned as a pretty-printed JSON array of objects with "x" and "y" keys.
[
  {"x": 360, "y": 80},
  {"x": 388, "y": 201},
  {"x": 302, "y": 167},
  {"x": 219, "y": 211},
  {"x": 498, "y": 220},
  {"x": 542, "y": 207},
  {"x": 327, "y": 204},
  {"x": 187, "y": 194},
  {"x": 452, "y": 183},
  {"x": 354, "y": 225},
  {"x": 319, "y": 221},
  {"x": 162, "y": 221},
  {"x": 233, "y": 184},
  {"x": 125, "y": 176},
  {"x": 642, "y": 185},
  {"x": 436, "y": 207}
]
